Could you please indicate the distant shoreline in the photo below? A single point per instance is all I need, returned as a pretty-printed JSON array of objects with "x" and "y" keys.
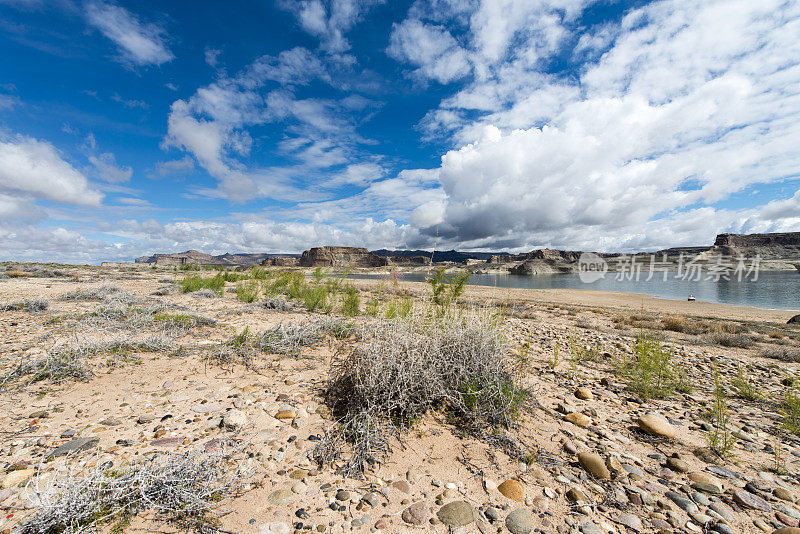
[{"x": 595, "y": 298}]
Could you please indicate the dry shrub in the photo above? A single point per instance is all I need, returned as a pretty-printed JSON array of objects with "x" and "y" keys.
[
  {"x": 69, "y": 361},
  {"x": 400, "y": 369},
  {"x": 279, "y": 303},
  {"x": 29, "y": 305},
  {"x": 786, "y": 354},
  {"x": 184, "y": 490},
  {"x": 102, "y": 292},
  {"x": 679, "y": 323},
  {"x": 284, "y": 339},
  {"x": 204, "y": 294},
  {"x": 725, "y": 339},
  {"x": 120, "y": 313}
]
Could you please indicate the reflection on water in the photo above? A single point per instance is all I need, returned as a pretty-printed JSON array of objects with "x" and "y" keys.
[{"x": 776, "y": 290}]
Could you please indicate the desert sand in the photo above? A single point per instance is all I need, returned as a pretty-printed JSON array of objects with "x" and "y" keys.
[{"x": 589, "y": 460}]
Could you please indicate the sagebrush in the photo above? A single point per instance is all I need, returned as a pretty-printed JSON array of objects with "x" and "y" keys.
[{"x": 400, "y": 369}]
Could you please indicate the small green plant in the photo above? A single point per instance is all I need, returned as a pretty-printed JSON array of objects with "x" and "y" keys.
[
  {"x": 553, "y": 360},
  {"x": 351, "y": 303},
  {"x": 791, "y": 410},
  {"x": 315, "y": 297},
  {"x": 445, "y": 291},
  {"x": 720, "y": 439},
  {"x": 650, "y": 371},
  {"x": 258, "y": 273},
  {"x": 372, "y": 307},
  {"x": 318, "y": 275},
  {"x": 744, "y": 385},
  {"x": 248, "y": 290},
  {"x": 196, "y": 282}
]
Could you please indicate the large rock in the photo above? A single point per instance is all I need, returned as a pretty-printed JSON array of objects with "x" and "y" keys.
[
  {"x": 794, "y": 320},
  {"x": 456, "y": 514},
  {"x": 341, "y": 257},
  {"x": 656, "y": 425}
]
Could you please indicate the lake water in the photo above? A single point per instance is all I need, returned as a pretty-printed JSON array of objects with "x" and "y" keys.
[{"x": 774, "y": 290}]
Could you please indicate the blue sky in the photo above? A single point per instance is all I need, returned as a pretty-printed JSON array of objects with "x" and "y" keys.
[{"x": 128, "y": 128}]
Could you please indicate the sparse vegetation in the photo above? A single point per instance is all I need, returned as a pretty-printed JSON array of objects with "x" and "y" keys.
[
  {"x": 28, "y": 305},
  {"x": 720, "y": 439},
  {"x": 744, "y": 385},
  {"x": 727, "y": 339},
  {"x": 248, "y": 291},
  {"x": 351, "y": 303},
  {"x": 400, "y": 369},
  {"x": 101, "y": 292},
  {"x": 184, "y": 490},
  {"x": 650, "y": 371},
  {"x": 444, "y": 290},
  {"x": 284, "y": 339},
  {"x": 69, "y": 362},
  {"x": 790, "y": 408},
  {"x": 786, "y": 354},
  {"x": 196, "y": 282}
]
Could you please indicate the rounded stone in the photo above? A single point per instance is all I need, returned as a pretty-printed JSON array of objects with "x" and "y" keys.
[
  {"x": 416, "y": 514},
  {"x": 520, "y": 521},
  {"x": 456, "y": 514},
  {"x": 584, "y": 394},
  {"x": 787, "y": 530},
  {"x": 17, "y": 477},
  {"x": 578, "y": 419},
  {"x": 280, "y": 497},
  {"x": 234, "y": 419},
  {"x": 402, "y": 485},
  {"x": 512, "y": 490},
  {"x": 593, "y": 464},
  {"x": 285, "y": 414},
  {"x": 656, "y": 425},
  {"x": 748, "y": 500}
]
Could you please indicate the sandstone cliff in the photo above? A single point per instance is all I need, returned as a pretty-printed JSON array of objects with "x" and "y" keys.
[
  {"x": 341, "y": 257},
  {"x": 194, "y": 257}
]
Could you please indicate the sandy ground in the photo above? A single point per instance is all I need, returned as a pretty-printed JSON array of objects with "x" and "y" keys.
[{"x": 441, "y": 465}]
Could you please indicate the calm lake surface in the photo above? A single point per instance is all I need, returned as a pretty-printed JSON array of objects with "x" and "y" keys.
[{"x": 774, "y": 290}]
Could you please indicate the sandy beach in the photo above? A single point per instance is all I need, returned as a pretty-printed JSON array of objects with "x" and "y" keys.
[{"x": 609, "y": 300}]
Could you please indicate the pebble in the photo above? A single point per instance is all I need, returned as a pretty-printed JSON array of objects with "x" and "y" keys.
[
  {"x": 520, "y": 521},
  {"x": 578, "y": 419},
  {"x": 748, "y": 500},
  {"x": 234, "y": 419},
  {"x": 684, "y": 503},
  {"x": 456, "y": 514},
  {"x": 17, "y": 477},
  {"x": 280, "y": 497},
  {"x": 416, "y": 514},
  {"x": 594, "y": 465},
  {"x": 656, "y": 425},
  {"x": 513, "y": 490},
  {"x": 76, "y": 445}
]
